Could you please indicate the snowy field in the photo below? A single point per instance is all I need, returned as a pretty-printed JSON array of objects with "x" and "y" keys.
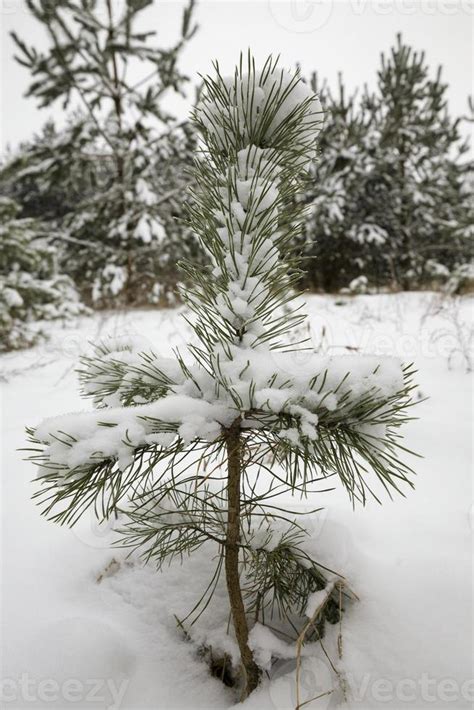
[{"x": 82, "y": 627}]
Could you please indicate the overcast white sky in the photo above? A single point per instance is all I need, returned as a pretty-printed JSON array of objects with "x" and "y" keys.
[{"x": 327, "y": 35}]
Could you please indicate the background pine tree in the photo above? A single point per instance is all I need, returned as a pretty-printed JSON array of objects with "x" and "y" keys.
[
  {"x": 31, "y": 286},
  {"x": 390, "y": 192},
  {"x": 46, "y": 186},
  {"x": 337, "y": 192},
  {"x": 121, "y": 157}
]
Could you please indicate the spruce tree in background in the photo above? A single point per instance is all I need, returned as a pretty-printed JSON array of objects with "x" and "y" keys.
[
  {"x": 119, "y": 136},
  {"x": 196, "y": 450},
  {"x": 31, "y": 288},
  {"x": 395, "y": 166}
]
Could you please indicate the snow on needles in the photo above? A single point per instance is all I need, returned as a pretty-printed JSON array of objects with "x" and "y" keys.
[
  {"x": 257, "y": 387},
  {"x": 249, "y": 104}
]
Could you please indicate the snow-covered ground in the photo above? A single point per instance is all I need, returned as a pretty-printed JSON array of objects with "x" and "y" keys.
[{"x": 82, "y": 627}]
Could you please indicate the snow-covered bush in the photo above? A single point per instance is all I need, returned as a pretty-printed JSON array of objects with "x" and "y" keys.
[
  {"x": 461, "y": 279},
  {"x": 357, "y": 286},
  {"x": 31, "y": 288},
  {"x": 196, "y": 449}
]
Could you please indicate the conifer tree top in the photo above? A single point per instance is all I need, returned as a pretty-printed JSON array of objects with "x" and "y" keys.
[
  {"x": 259, "y": 132},
  {"x": 271, "y": 108}
]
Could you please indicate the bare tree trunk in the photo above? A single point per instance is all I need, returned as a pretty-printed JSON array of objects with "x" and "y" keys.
[{"x": 251, "y": 671}]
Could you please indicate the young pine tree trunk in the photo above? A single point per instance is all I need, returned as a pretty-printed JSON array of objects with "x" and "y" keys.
[{"x": 251, "y": 672}]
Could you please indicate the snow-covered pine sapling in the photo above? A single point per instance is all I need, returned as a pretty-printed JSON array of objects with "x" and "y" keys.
[{"x": 196, "y": 449}]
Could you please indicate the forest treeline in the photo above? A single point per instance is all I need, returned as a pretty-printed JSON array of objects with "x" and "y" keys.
[{"x": 389, "y": 202}]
